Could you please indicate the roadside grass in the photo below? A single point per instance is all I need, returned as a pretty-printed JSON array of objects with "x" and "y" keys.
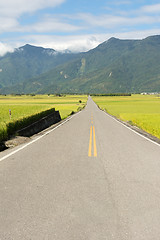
[
  {"x": 28, "y": 108},
  {"x": 142, "y": 111}
]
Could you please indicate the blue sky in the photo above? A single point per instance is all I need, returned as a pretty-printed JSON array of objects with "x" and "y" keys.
[{"x": 78, "y": 25}]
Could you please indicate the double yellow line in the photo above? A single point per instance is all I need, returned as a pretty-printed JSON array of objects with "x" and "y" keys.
[{"x": 92, "y": 137}]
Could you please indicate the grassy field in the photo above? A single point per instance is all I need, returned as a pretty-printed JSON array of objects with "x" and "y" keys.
[
  {"x": 139, "y": 110},
  {"x": 24, "y": 106}
]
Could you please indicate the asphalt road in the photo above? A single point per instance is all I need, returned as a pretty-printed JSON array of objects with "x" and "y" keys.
[{"x": 89, "y": 179}]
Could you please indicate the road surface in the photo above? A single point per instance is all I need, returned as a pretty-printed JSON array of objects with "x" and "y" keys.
[{"x": 89, "y": 179}]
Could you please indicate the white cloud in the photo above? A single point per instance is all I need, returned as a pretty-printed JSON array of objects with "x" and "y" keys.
[
  {"x": 66, "y": 24},
  {"x": 155, "y": 8},
  {"x": 46, "y": 24},
  {"x": 11, "y": 10},
  {"x": 4, "y": 48},
  {"x": 49, "y": 24},
  {"x": 110, "y": 21},
  {"x": 112, "y": 24},
  {"x": 82, "y": 43},
  {"x": 9, "y": 24},
  {"x": 18, "y": 7},
  {"x": 74, "y": 43}
]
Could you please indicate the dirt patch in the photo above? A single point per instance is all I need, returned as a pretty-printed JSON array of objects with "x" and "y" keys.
[{"x": 16, "y": 141}]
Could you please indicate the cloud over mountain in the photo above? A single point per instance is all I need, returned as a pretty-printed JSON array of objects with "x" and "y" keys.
[{"x": 74, "y": 24}]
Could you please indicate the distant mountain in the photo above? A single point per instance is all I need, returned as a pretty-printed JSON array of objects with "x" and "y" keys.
[
  {"x": 114, "y": 66},
  {"x": 29, "y": 61}
]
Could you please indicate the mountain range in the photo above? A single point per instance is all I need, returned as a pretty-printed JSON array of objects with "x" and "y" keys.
[
  {"x": 114, "y": 66},
  {"x": 27, "y": 62}
]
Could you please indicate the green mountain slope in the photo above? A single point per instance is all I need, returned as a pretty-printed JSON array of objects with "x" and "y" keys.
[
  {"x": 114, "y": 66},
  {"x": 27, "y": 62}
]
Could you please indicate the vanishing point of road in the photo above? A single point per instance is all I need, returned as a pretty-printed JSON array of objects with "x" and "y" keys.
[{"x": 91, "y": 178}]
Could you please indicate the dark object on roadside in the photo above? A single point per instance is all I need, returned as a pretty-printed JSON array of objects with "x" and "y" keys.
[{"x": 40, "y": 125}]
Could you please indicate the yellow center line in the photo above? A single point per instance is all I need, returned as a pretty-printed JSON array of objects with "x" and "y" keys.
[
  {"x": 90, "y": 144},
  {"x": 92, "y": 132},
  {"x": 94, "y": 140}
]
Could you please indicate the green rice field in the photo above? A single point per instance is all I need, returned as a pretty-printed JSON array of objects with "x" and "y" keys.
[
  {"x": 142, "y": 111},
  {"x": 24, "y": 106}
]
